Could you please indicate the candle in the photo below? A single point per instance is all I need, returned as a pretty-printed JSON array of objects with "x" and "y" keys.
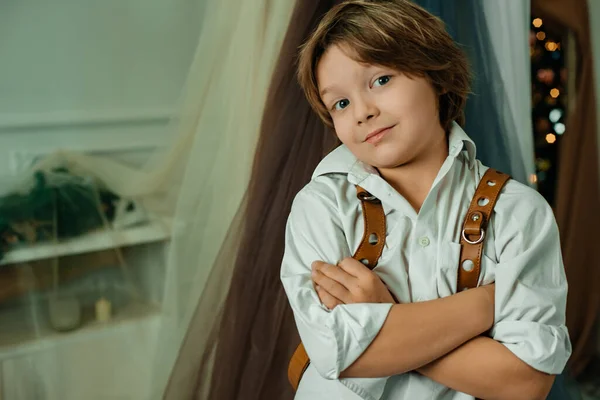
[{"x": 103, "y": 310}]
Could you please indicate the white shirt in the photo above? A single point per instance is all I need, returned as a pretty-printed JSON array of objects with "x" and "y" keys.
[{"x": 420, "y": 262}]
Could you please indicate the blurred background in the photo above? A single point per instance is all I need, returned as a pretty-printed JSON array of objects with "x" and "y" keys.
[{"x": 149, "y": 154}]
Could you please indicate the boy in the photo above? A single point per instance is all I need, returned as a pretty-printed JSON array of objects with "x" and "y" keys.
[{"x": 391, "y": 82}]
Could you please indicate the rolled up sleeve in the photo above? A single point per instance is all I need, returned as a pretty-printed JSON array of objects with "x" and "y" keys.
[
  {"x": 333, "y": 339},
  {"x": 531, "y": 287}
]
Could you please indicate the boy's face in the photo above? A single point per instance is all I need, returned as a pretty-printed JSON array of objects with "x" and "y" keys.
[{"x": 385, "y": 118}]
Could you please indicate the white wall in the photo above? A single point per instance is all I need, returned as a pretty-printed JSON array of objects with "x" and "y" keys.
[{"x": 88, "y": 74}]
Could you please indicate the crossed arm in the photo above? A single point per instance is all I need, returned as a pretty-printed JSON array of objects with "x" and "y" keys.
[
  {"x": 441, "y": 339},
  {"x": 444, "y": 337}
]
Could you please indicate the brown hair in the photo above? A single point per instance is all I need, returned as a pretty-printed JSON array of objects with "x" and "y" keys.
[{"x": 396, "y": 34}]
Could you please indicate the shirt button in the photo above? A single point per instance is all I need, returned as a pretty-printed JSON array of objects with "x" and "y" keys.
[{"x": 424, "y": 241}]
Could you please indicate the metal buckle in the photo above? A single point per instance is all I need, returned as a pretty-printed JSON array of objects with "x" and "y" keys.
[{"x": 481, "y": 237}]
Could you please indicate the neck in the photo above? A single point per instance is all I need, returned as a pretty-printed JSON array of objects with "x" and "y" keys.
[{"x": 414, "y": 179}]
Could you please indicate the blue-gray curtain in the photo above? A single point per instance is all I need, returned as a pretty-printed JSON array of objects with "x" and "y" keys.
[{"x": 486, "y": 105}]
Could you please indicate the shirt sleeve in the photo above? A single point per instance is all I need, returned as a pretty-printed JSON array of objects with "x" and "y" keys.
[
  {"x": 333, "y": 339},
  {"x": 531, "y": 286}
]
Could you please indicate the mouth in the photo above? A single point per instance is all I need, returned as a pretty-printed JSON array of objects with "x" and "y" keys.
[{"x": 377, "y": 135}]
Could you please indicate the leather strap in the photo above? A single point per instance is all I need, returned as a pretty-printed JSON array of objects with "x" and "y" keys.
[
  {"x": 373, "y": 240},
  {"x": 472, "y": 235},
  {"x": 297, "y": 366},
  {"x": 368, "y": 252}
]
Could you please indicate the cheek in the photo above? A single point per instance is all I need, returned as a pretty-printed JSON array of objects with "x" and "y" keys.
[
  {"x": 428, "y": 99},
  {"x": 418, "y": 108},
  {"x": 411, "y": 99},
  {"x": 342, "y": 130}
]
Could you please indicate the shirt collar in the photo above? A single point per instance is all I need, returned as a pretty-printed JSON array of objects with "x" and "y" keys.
[
  {"x": 460, "y": 141},
  {"x": 342, "y": 161}
]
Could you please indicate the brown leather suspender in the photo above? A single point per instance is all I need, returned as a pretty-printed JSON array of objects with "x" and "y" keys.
[
  {"x": 371, "y": 246},
  {"x": 473, "y": 233},
  {"x": 368, "y": 253}
]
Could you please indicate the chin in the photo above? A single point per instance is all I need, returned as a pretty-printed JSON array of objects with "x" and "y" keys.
[
  {"x": 390, "y": 165},
  {"x": 387, "y": 164},
  {"x": 389, "y": 160}
]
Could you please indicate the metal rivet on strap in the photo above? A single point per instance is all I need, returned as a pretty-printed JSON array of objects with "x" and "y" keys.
[
  {"x": 366, "y": 196},
  {"x": 475, "y": 217},
  {"x": 468, "y": 265},
  {"x": 373, "y": 239}
]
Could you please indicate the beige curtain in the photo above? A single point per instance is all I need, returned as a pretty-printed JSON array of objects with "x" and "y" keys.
[
  {"x": 218, "y": 130},
  {"x": 578, "y": 189}
]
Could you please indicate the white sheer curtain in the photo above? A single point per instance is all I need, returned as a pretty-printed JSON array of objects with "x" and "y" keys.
[
  {"x": 201, "y": 175},
  {"x": 508, "y": 25},
  {"x": 222, "y": 110}
]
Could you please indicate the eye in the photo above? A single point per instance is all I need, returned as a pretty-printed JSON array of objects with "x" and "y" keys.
[
  {"x": 382, "y": 80},
  {"x": 340, "y": 105}
]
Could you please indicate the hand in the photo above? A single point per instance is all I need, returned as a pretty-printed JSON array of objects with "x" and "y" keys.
[{"x": 348, "y": 282}]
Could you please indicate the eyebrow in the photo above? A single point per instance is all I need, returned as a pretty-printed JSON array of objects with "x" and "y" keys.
[{"x": 325, "y": 91}]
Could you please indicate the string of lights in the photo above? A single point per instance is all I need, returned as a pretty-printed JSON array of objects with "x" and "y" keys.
[{"x": 548, "y": 89}]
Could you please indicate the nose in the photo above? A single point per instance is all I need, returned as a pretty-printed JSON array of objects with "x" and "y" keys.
[{"x": 364, "y": 110}]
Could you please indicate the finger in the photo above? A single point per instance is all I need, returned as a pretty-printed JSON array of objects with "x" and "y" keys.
[
  {"x": 327, "y": 298},
  {"x": 330, "y": 285},
  {"x": 354, "y": 268},
  {"x": 337, "y": 274},
  {"x": 318, "y": 265}
]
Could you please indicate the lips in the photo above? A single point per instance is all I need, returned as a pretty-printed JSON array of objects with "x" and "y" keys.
[{"x": 377, "y": 134}]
